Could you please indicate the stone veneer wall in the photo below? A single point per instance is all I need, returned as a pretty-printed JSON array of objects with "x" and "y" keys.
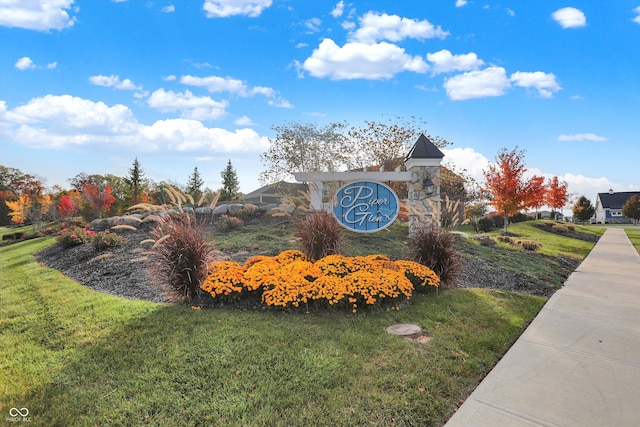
[{"x": 420, "y": 210}]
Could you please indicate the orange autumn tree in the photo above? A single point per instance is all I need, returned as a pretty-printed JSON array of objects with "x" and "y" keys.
[
  {"x": 505, "y": 182},
  {"x": 537, "y": 194},
  {"x": 557, "y": 195}
]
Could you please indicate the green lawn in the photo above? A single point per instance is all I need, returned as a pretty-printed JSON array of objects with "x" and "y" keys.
[
  {"x": 73, "y": 356},
  {"x": 554, "y": 244},
  {"x": 634, "y": 236}
]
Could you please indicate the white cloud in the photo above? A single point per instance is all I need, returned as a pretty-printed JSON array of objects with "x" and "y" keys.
[
  {"x": 491, "y": 81},
  {"x": 215, "y": 83},
  {"x": 63, "y": 121},
  {"x": 361, "y": 61},
  {"x": 582, "y": 137},
  {"x": 313, "y": 25},
  {"x": 226, "y": 8},
  {"x": 466, "y": 159},
  {"x": 169, "y": 9},
  {"x": 510, "y": 12},
  {"x": 375, "y": 27},
  {"x": 36, "y": 15},
  {"x": 569, "y": 17},
  {"x": 338, "y": 10},
  {"x": 190, "y": 106},
  {"x": 544, "y": 83},
  {"x": 25, "y": 63},
  {"x": 461, "y": 3},
  {"x": 114, "y": 82},
  {"x": 637, "y": 18},
  {"x": 244, "y": 121},
  {"x": 52, "y": 65},
  {"x": 169, "y": 78},
  {"x": 226, "y": 84},
  {"x": 280, "y": 103},
  {"x": 445, "y": 62}
]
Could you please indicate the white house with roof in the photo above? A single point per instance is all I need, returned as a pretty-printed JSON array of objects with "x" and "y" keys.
[{"x": 609, "y": 207}]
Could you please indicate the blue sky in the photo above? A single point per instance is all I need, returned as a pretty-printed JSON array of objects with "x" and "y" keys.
[{"x": 89, "y": 85}]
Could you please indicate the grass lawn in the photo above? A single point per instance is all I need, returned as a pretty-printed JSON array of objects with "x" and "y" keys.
[
  {"x": 73, "y": 356},
  {"x": 634, "y": 236},
  {"x": 553, "y": 244}
]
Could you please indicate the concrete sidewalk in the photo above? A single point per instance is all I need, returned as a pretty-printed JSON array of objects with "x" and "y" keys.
[{"x": 578, "y": 363}]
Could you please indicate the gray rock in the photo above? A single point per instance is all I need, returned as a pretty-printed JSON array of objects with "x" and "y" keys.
[
  {"x": 221, "y": 210},
  {"x": 235, "y": 207}
]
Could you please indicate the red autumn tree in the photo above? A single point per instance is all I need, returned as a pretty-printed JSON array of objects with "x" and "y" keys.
[
  {"x": 537, "y": 195},
  {"x": 557, "y": 195},
  {"x": 67, "y": 206},
  {"x": 100, "y": 198},
  {"x": 504, "y": 181}
]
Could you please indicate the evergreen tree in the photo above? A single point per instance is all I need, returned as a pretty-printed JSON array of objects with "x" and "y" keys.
[
  {"x": 230, "y": 184},
  {"x": 583, "y": 210},
  {"x": 136, "y": 182},
  {"x": 194, "y": 185}
]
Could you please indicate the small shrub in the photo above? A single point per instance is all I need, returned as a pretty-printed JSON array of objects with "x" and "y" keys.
[
  {"x": 106, "y": 239},
  {"x": 181, "y": 255},
  {"x": 436, "y": 249},
  {"x": 549, "y": 223},
  {"x": 506, "y": 239},
  {"x": 560, "y": 228},
  {"x": 519, "y": 217},
  {"x": 485, "y": 224},
  {"x": 74, "y": 236},
  {"x": 498, "y": 221},
  {"x": 571, "y": 227},
  {"x": 228, "y": 223},
  {"x": 530, "y": 245},
  {"x": 319, "y": 235}
]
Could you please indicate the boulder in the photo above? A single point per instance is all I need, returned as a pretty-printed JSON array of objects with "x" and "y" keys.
[{"x": 221, "y": 210}]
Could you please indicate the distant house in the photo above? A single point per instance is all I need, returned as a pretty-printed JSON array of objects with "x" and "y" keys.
[
  {"x": 609, "y": 207},
  {"x": 273, "y": 193}
]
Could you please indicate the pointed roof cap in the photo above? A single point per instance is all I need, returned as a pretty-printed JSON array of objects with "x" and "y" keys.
[{"x": 424, "y": 149}]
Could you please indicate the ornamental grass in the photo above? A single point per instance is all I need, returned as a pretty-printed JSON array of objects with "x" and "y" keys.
[{"x": 291, "y": 280}]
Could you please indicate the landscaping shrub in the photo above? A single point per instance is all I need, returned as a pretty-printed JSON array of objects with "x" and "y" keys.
[
  {"x": 485, "y": 224},
  {"x": 74, "y": 236},
  {"x": 228, "y": 223},
  {"x": 435, "y": 249},
  {"x": 530, "y": 245},
  {"x": 519, "y": 217},
  {"x": 571, "y": 227},
  {"x": 498, "y": 221},
  {"x": 560, "y": 228},
  {"x": 506, "y": 239},
  {"x": 181, "y": 255},
  {"x": 107, "y": 239},
  {"x": 319, "y": 235}
]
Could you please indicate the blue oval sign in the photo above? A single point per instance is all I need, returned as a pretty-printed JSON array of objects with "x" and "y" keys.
[{"x": 365, "y": 206}]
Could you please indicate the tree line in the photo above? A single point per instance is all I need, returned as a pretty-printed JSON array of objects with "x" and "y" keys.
[{"x": 24, "y": 198}]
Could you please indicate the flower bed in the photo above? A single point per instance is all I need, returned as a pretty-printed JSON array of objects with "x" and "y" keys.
[{"x": 290, "y": 279}]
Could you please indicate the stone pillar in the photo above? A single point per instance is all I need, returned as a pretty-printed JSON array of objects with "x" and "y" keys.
[{"x": 424, "y": 192}]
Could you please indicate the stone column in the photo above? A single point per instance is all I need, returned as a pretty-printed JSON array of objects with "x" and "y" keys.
[{"x": 424, "y": 192}]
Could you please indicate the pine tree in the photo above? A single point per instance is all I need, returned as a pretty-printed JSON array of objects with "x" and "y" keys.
[
  {"x": 135, "y": 181},
  {"x": 230, "y": 184},
  {"x": 194, "y": 185}
]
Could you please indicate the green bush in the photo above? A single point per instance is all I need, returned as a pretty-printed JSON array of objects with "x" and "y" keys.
[
  {"x": 73, "y": 236},
  {"x": 435, "y": 249},
  {"x": 319, "y": 235},
  {"x": 498, "y": 221},
  {"x": 107, "y": 239},
  {"x": 485, "y": 224}
]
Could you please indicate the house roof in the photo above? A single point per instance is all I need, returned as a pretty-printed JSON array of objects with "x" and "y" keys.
[
  {"x": 278, "y": 189},
  {"x": 616, "y": 200},
  {"x": 424, "y": 148}
]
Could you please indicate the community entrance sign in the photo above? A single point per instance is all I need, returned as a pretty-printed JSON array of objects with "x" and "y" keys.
[{"x": 365, "y": 206}]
